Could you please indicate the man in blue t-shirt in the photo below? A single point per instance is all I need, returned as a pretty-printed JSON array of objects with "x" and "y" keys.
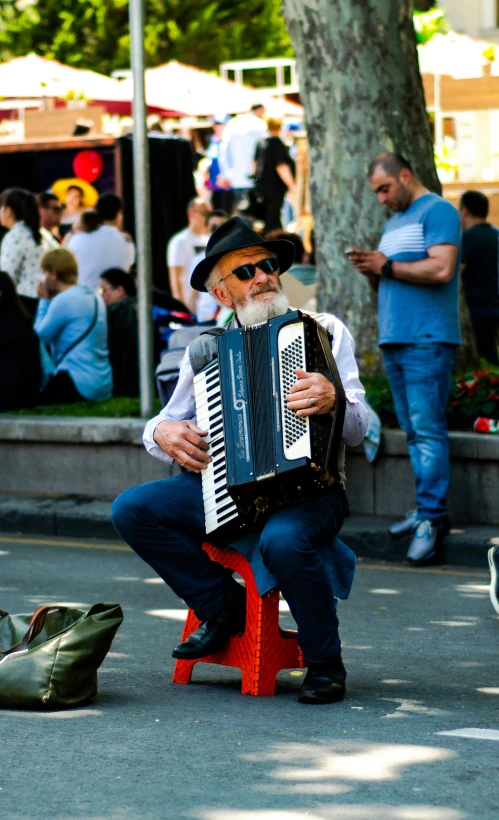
[{"x": 415, "y": 272}]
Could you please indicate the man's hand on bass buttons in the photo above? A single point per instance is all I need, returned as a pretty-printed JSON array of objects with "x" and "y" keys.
[{"x": 311, "y": 394}]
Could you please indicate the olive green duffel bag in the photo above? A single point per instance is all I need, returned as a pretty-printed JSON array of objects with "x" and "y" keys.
[{"x": 51, "y": 659}]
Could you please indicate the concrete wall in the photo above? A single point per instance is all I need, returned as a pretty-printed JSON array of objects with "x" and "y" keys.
[
  {"x": 386, "y": 487},
  {"x": 99, "y": 458},
  {"x": 92, "y": 458}
]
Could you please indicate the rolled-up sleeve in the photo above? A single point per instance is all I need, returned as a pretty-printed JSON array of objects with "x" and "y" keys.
[
  {"x": 181, "y": 407},
  {"x": 356, "y": 417}
]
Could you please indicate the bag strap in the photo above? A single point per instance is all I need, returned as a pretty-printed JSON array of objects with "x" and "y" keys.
[
  {"x": 83, "y": 335},
  {"x": 35, "y": 627}
]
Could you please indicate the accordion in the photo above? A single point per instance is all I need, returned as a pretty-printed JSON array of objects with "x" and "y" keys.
[{"x": 263, "y": 455}]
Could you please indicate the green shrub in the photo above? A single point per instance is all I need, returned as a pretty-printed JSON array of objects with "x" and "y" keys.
[{"x": 473, "y": 395}]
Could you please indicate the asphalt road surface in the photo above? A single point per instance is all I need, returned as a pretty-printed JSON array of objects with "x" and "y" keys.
[{"x": 417, "y": 737}]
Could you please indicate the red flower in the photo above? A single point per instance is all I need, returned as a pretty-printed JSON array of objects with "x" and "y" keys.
[{"x": 481, "y": 425}]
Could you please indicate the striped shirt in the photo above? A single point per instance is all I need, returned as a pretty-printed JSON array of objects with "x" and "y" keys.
[{"x": 411, "y": 313}]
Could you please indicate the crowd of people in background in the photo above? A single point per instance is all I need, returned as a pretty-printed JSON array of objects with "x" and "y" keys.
[
  {"x": 68, "y": 306},
  {"x": 67, "y": 333}
]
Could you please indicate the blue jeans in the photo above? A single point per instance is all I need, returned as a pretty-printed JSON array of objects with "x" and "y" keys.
[
  {"x": 163, "y": 521},
  {"x": 420, "y": 377}
]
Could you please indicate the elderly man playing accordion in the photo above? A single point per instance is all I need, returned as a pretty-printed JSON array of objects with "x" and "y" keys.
[{"x": 164, "y": 522}]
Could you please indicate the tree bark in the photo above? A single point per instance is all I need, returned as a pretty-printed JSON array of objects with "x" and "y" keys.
[{"x": 363, "y": 94}]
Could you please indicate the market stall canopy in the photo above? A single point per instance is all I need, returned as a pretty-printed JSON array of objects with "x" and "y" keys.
[
  {"x": 196, "y": 93},
  {"x": 36, "y": 77},
  {"x": 456, "y": 55}
]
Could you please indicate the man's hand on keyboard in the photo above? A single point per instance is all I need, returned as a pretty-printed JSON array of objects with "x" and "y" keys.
[
  {"x": 184, "y": 442},
  {"x": 312, "y": 393}
]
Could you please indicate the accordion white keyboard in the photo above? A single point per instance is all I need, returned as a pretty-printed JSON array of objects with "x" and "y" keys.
[{"x": 219, "y": 507}]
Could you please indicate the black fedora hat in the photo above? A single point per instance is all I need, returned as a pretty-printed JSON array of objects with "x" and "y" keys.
[{"x": 234, "y": 235}]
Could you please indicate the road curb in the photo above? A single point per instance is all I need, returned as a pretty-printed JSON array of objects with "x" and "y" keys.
[{"x": 368, "y": 536}]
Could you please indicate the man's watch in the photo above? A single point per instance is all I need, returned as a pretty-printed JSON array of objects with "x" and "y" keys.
[{"x": 387, "y": 269}]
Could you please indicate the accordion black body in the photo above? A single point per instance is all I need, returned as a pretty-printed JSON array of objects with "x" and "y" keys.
[{"x": 263, "y": 455}]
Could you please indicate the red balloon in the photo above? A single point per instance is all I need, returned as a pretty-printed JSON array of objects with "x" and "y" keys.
[{"x": 88, "y": 165}]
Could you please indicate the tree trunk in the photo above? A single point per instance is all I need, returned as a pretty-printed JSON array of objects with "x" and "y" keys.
[{"x": 363, "y": 94}]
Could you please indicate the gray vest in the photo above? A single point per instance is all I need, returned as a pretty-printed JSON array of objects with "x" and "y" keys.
[{"x": 203, "y": 350}]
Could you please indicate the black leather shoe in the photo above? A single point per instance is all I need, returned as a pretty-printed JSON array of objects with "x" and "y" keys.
[
  {"x": 426, "y": 546},
  {"x": 404, "y": 527},
  {"x": 214, "y": 633},
  {"x": 324, "y": 682}
]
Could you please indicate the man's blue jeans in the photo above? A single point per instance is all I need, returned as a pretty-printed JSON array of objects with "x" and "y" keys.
[
  {"x": 163, "y": 521},
  {"x": 420, "y": 377}
]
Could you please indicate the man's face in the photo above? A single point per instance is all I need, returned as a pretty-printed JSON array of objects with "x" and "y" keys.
[
  {"x": 51, "y": 213},
  {"x": 111, "y": 295},
  {"x": 214, "y": 222},
  {"x": 393, "y": 192},
  {"x": 197, "y": 218},
  {"x": 253, "y": 300}
]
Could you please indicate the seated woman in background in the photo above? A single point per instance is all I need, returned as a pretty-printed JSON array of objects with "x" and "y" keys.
[
  {"x": 71, "y": 319},
  {"x": 22, "y": 247},
  {"x": 118, "y": 291},
  {"x": 20, "y": 367}
]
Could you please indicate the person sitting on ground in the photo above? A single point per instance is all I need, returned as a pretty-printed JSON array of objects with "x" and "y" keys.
[
  {"x": 20, "y": 366},
  {"x": 21, "y": 248},
  {"x": 118, "y": 290},
  {"x": 479, "y": 271},
  {"x": 51, "y": 209},
  {"x": 104, "y": 246},
  {"x": 164, "y": 521},
  {"x": 182, "y": 248},
  {"x": 72, "y": 320}
]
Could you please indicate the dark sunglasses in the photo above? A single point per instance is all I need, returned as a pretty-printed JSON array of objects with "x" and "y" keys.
[{"x": 246, "y": 272}]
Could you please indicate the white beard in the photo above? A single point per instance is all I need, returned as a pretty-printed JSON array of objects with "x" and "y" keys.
[{"x": 253, "y": 312}]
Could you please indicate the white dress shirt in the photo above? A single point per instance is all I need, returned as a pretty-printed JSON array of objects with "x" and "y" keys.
[{"x": 181, "y": 406}]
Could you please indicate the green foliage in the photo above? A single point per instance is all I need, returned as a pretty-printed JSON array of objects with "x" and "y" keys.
[
  {"x": 489, "y": 53},
  {"x": 95, "y": 33},
  {"x": 429, "y": 23},
  {"x": 379, "y": 396},
  {"x": 116, "y": 408},
  {"x": 473, "y": 395}
]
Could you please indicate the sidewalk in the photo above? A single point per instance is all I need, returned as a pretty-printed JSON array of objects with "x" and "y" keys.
[{"x": 467, "y": 545}]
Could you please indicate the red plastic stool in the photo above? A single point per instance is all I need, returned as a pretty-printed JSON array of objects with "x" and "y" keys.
[{"x": 264, "y": 648}]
